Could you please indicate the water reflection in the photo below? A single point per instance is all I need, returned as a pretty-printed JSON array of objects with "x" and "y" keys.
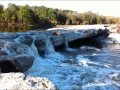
[{"x": 17, "y": 28}]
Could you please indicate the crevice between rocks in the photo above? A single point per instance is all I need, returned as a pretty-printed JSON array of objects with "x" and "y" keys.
[
  {"x": 7, "y": 67},
  {"x": 90, "y": 41}
]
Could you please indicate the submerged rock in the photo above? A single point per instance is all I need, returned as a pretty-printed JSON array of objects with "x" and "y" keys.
[
  {"x": 25, "y": 39},
  {"x": 12, "y": 48},
  {"x": 19, "y": 81},
  {"x": 19, "y": 63}
]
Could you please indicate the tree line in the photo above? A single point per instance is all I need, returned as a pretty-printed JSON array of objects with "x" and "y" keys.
[{"x": 48, "y": 17}]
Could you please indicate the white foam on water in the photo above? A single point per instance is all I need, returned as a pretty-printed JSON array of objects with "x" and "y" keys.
[
  {"x": 70, "y": 49},
  {"x": 78, "y": 76},
  {"x": 83, "y": 61},
  {"x": 16, "y": 40},
  {"x": 7, "y": 50},
  {"x": 49, "y": 48},
  {"x": 102, "y": 78},
  {"x": 33, "y": 50},
  {"x": 70, "y": 77}
]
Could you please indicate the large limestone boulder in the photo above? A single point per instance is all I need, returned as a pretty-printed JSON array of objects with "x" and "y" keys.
[
  {"x": 71, "y": 35},
  {"x": 18, "y": 81},
  {"x": 13, "y": 57},
  {"x": 19, "y": 63}
]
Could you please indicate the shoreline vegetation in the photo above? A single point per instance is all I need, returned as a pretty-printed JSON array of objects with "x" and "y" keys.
[{"x": 15, "y": 16}]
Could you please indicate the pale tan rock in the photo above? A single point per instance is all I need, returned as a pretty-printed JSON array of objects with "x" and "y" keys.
[{"x": 18, "y": 81}]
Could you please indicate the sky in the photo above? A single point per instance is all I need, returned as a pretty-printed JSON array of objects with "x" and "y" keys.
[{"x": 107, "y": 8}]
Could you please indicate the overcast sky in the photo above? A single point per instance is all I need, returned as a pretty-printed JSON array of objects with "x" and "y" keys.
[{"x": 109, "y": 8}]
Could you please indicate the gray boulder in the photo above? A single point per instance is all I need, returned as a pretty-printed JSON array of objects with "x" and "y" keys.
[{"x": 19, "y": 63}]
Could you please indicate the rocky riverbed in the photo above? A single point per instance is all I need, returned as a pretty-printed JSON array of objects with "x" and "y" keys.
[{"x": 72, "y": 59}]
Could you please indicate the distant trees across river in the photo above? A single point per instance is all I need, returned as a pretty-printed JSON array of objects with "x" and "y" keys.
[{"x": 44, "y": 17}]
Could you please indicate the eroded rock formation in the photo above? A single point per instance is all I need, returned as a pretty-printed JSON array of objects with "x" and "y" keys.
[{"x": 14, "y": 47}]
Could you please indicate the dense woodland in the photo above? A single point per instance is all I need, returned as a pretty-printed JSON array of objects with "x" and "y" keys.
[{"x": 48, "y": 17}]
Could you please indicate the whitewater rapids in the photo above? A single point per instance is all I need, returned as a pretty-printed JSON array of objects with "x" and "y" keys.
[{"x": 75, "y": 72}]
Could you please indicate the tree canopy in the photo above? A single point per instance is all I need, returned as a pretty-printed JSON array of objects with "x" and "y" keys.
[{"x": 47, "y": 17}]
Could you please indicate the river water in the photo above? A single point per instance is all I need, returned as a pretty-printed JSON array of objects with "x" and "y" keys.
[{"x": 81, "y": 68}]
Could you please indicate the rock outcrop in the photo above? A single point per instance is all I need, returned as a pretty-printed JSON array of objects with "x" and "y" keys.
[
  {"x": 18, "y": 81},
  {"x": 72, "y": 35},
  {"x": 19, "y": 63},
  {"x": 57, "y": 35},
  {"x": 13, "y": 57},
  {"x": 14, "y": 47}
]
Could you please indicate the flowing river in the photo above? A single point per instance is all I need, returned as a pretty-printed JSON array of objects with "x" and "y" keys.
[
  {"x": 83, "y": 68},
  {"x": 77, "y": 68}
]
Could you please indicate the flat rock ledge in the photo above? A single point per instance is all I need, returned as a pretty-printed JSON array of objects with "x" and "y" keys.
[{"x": 18, "y": 81}]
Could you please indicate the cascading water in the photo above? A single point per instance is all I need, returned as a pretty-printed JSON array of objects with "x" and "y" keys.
[
  {"x": 82, "y": 74},
  {"x": 33, "y": 50},
  {"x": 49, "y": 48},
  {"x": 66, "y": 43},
  {"x": 6, "y": 50},
  {"x": 47, "y": 65}
]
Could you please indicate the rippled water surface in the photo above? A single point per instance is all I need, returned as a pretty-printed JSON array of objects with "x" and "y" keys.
[{"x": 84, "y": 68}]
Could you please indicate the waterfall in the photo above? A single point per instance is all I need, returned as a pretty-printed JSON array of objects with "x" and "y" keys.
[
  {"x": 49, "y": 48},
  {"x": 66, "y": 43},
  {"x": 35, "y": 69},
  {"x": 33, "y": 50}
]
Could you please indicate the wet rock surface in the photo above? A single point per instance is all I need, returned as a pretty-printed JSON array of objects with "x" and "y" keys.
[
  {"x": 25, "y": 39},
  {"x": 12, "y": 48},
  {"x": 13, "y": 57},
  {"x": 18, "y": 63},
  {"x": 19, "y": 81},
  {"x": 40, "y": 44},
  {"x": 57, "y": 35}
]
